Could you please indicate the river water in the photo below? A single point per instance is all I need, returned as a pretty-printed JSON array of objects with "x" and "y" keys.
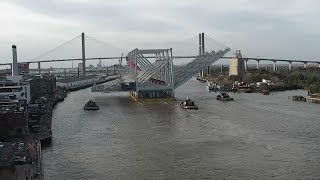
[{"x": 253, "y": 137}]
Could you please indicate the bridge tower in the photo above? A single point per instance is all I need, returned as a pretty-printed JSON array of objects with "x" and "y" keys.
[
  {"x": 83, "y": 54},
  {"x": 202, "y": 52}
]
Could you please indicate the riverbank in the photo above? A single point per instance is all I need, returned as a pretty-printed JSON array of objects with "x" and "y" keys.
[{"x": 254, "y": 88}]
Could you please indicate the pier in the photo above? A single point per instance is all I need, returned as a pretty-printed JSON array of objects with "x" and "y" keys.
[{"x": 314, "y": 98}]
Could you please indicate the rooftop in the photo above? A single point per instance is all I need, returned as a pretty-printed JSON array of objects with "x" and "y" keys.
[{"x": 10, "y": 87}]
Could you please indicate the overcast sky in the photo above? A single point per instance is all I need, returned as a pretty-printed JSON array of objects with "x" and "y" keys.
[{"x": 273, "y": 28}]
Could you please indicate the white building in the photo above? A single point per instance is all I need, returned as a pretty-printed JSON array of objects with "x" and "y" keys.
[
  {"x": 14, "y": 86},
  {"x": 21, "y": 93}
]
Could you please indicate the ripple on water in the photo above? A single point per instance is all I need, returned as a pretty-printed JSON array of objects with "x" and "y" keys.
[{"x": 254, "y": 137}]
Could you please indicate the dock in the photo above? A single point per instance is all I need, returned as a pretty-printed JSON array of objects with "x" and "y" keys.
[{"x": 314, "y": 98}]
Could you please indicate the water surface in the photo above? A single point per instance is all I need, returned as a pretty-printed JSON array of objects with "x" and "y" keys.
[{"x": 253, "y": 137}]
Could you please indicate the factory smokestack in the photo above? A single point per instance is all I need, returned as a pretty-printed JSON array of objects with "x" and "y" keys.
[{"x": 15, "y": 70}]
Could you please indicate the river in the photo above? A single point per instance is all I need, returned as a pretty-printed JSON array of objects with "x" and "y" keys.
[{"x": 253, "y": 137}]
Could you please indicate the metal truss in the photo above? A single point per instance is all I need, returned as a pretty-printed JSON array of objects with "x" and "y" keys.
[
  {"x": 183, "y": 73},
  {"x": 114, "y": 85},
  {"x": 151, "y": 76},
  {"x": 160, "y": 75}
]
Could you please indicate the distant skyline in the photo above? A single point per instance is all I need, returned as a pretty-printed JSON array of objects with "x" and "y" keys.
[{"x": 272, "y": 29}]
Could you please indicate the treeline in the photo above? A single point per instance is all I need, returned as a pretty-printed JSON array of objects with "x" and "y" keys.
[{"x": 298, "y": 78}]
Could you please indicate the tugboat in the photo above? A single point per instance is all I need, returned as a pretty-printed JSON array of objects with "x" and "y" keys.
[
  {"x": 265, "y": 92},
  {"x": 91, "y": 105},
  {"x": 224, "y": 97},
  {"x": 188, "y": 104}
]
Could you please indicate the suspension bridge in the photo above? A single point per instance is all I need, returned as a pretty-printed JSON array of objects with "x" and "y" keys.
[{"x": 153, "y": 73}]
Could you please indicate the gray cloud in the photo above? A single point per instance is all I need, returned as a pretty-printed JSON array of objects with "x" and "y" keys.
[{"x": 286, "y": 29}]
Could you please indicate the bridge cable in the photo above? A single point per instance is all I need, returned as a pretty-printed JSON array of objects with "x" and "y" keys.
[
  {"x": 214, "y": 44},
  {"x": 105, "y": 43},
  {"x": 55, "y": 48},
  {"x": 215, "y": 41}
]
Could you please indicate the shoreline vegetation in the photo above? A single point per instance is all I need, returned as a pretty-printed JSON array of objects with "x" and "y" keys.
[{"x": 282, "y": 80}]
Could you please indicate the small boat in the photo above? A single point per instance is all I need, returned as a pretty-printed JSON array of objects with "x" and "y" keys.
[
  {"x": 265, "y": 92},
  {"x": 299, "y": 98},
  {"x": 245, "y": 89},
  {"x": 249, "y": 90},
  {"x": 91, "y": 105},
  {"x": 211, "y": 87},
  {"x": 188, "y": 105},
  {"x": 224, "y": 97}
]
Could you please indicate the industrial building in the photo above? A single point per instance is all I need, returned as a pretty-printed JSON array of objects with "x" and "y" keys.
[{"x": 237, "y": 65}]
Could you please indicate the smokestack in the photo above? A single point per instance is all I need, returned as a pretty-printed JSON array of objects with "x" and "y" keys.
[
  {"x": 15, "y": 70},
  {"x": 202, "y": 43}
]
